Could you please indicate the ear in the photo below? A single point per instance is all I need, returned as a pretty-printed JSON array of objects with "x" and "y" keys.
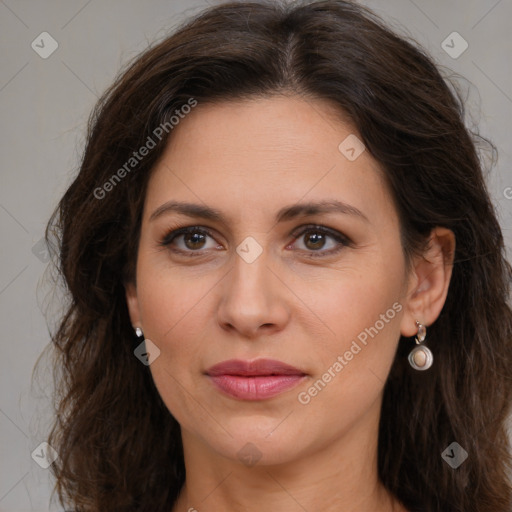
[
  {"x": 133, "y": 303},
  {"x": 429, "y": 282}
]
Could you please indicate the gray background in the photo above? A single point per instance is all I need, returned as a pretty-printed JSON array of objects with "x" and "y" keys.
[{"x": 44, "y": 106}]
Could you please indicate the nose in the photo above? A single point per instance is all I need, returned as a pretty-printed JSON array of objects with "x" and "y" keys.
[{"x": 254, "y": 299}]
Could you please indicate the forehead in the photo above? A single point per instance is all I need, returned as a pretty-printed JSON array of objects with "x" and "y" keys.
[{"x": 262, "y": 153}]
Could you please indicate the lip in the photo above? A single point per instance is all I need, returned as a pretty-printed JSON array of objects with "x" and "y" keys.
[
  {"x": 254, "y": 380},
  {"x": 257, "y": 367}
]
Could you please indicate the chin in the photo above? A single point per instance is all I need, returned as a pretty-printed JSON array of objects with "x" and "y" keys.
[{"x": 254, "y": 445}]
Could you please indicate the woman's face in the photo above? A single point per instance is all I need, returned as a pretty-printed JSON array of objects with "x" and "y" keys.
[{"x": 261, "y": 281}]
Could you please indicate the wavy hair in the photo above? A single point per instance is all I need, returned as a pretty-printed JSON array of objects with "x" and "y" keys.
[{"x": 119, "y": 446}]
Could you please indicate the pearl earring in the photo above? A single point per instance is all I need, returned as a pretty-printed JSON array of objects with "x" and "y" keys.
[
  {"x": 138, "y": 332},
  {"x": 421, "y": 357}
]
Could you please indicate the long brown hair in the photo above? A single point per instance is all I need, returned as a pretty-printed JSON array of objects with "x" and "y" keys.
[{"x": 119, "y": 446}]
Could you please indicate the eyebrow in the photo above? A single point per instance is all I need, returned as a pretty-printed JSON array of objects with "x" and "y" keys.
[{"x": 284, "y": 214}]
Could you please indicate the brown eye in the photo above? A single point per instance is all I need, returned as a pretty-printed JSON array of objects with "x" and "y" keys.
[
  {"x": 194, "y": 240},
  {"x": 316, "y": 238},
  {"x": 190, "y": 239},
  {"x": 315, "y": 241}
]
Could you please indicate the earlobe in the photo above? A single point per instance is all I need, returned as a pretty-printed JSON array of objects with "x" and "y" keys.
[
  {"x": 430, "y": 281},
  {"x": 133, "y": 303}
]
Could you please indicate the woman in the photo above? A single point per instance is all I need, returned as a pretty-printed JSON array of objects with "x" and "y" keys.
[{"x": 288, "y": 282}]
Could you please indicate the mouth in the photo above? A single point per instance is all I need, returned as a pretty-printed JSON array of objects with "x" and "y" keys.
[{"x": 254, "y": 380}]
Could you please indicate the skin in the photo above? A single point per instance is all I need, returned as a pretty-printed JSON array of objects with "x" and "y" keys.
[{"x": 248, "y": 159}]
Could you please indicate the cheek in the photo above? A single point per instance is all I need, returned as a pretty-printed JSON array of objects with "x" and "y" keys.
[
  {"x": 353, "y": 364},
  {"x": 169, "y": 294},
  {"x": 173, "y": 312},
  {"x": 362, "y": 311},
  {"x": 366, "y": 328},
  {"x": 355, "y": 297}
]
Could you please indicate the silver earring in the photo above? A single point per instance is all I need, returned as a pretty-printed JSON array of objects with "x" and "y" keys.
[
  {"x": 421, "y": 357},
  {"x": 138, "y": 332}
]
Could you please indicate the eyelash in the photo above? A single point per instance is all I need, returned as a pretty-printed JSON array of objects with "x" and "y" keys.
[{"x": 342, "y": 240}]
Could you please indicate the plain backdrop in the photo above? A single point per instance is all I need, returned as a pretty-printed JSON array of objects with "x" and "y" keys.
[{"x": 44, "y": 106}]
